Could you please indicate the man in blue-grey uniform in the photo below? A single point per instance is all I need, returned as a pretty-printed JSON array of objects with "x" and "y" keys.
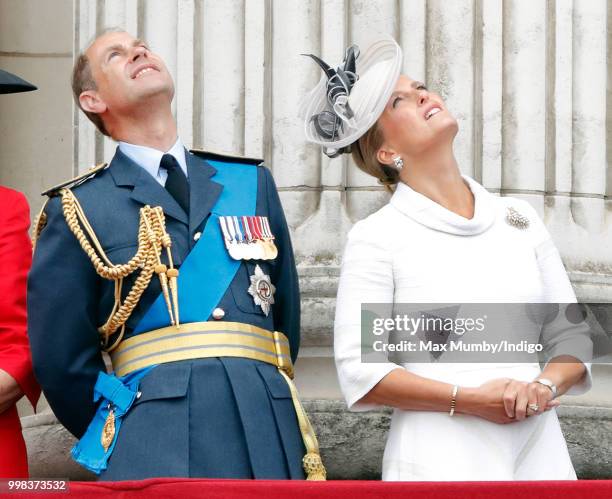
[{"x": 179, "y": 265}]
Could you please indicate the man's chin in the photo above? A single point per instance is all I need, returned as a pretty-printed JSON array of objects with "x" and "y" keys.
[{"x": 154, "y": 92}]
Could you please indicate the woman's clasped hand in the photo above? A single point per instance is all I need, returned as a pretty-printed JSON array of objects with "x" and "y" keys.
[{"x": 505, "y": 400}]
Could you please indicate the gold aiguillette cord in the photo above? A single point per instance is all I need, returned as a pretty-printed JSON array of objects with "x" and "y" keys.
[
  {"x": 160, "y": 269},
  {"x": 152, "y": 236},
  {"x": 172, "y": 273}
]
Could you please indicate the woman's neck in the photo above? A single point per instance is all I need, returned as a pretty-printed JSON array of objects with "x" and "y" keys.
[{"x": 436, "y": 175}]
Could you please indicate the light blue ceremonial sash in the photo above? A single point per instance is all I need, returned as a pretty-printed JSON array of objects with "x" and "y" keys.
[
  {"x": 111, "y": 393},
  {"x": 208, "y": 270},
  {"x": 204, "y": 277}
]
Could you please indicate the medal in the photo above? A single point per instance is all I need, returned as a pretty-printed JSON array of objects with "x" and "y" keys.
[
  {"x": 241, "y": 242},
  {"x": 263, "y": 250},
  {"x": 260, "y": 238},
  {"x": 108, "y": 430},
  {"x": 255, "y": 249},
  {"x": 229, "y": 237},
  {"x": 262, "y": 290},
  {"x": 248, "y": 238},
  {"x": 264, "y": 240},
  {"x": 270, "y": 236}
]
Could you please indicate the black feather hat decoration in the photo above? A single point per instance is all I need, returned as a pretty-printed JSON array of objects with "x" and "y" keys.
[{"x": 340, "y": 81}]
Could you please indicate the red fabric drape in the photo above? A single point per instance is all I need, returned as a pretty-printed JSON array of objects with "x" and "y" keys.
[{"x": 245, "y": 489}]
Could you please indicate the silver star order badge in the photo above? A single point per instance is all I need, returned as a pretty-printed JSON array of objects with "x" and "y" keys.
[
  {"x": 516, "y": 219},
  {"x": 262, "y": 290}
]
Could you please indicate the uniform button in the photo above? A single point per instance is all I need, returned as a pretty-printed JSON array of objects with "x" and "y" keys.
[
  {"x": 138, "y": 394},
  {"x": 197, "y": 236},
  {"x": 218, "y": 314}
]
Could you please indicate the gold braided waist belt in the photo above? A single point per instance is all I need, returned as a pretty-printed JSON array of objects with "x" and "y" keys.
[{"x": 199, "y": 340}]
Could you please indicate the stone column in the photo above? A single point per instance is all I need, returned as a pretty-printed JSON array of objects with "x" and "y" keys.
[
  {"x": 528, "y": 81},
  {"x": 35, "y": 127}
]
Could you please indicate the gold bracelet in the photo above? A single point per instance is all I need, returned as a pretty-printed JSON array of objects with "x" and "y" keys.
[{"x": 453, "y": 400}]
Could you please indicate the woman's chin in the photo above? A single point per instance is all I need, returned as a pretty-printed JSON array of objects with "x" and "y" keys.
[
  {"x": 445, "y": 128},
  {"x": 443, "y": 120}
]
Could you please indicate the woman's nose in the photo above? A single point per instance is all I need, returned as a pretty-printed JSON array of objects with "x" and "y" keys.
[{"x": 423, "y": 97}]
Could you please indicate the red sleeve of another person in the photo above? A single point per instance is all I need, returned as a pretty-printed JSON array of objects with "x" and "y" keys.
[{"x": 15, "y": 261}]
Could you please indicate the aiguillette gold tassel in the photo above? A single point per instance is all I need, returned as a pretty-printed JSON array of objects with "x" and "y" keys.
[
  {"x": 162, "y": 272},
  {"x": 173, "y": 274},
  {"x": 160, "y": 268}
]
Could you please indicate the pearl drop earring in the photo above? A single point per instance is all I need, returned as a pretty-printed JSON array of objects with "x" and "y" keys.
[{"x": 399, "y": 162}]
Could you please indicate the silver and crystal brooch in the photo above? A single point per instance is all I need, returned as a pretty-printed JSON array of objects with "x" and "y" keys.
[{"x": 516, "y": 219}]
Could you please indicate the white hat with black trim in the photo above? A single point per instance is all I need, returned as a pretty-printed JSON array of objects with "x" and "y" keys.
[{"x": 348, "y": 100}]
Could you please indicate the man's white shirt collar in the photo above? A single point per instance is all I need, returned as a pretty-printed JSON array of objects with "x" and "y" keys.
[{"x": 149, "y": 158}]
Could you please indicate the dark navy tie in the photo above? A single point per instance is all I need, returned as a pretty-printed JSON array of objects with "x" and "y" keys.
[{"x": 176, "y": 183}]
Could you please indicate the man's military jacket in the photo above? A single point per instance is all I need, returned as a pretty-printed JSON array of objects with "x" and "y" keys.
[{"x": 213, "y": 417}]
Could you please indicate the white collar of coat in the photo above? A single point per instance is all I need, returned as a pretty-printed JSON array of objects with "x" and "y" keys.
[{"x": 435, "y": 216}]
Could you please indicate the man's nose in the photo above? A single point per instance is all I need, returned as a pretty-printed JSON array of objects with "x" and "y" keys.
[{"x": 138, "y": 52}]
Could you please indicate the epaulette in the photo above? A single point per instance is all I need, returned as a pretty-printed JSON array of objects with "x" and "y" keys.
[
  {"x": 76, "y": 180},
  {"x": 228, "y": 158}
]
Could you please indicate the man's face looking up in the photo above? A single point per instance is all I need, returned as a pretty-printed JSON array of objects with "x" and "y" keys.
[{"x": 126, "y": 73}]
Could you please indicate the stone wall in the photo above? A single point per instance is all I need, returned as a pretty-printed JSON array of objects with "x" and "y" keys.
[
  {"x": 36, "y": 127},
  {"x": 352, "y": 444},
  {"x": 527, "y": 79}
]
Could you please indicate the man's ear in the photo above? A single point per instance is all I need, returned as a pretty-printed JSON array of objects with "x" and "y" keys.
[
  {"x": 385, "y": 155},
  {"x": 91, "y": 102}
]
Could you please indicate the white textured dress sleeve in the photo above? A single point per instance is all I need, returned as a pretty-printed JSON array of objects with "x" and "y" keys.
[
  {"x": 557, "y": 287},
  {"x": 366, "y": 277}
]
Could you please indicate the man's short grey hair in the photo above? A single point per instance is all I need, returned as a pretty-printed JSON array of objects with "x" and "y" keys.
[{"x": 82, "y": 79}]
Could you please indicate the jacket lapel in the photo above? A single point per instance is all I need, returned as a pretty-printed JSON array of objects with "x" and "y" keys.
[
  {"x": 145, "y": 190},
  {"x": 203, "y": 191}
]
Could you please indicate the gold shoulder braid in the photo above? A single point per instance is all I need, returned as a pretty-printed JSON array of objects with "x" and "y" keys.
[
  {"x": 76, "y": 180},
  {"x": 152, "y": 237},
  {"x": 39, "y": 224},
  {"x": 41, "y": 219}
]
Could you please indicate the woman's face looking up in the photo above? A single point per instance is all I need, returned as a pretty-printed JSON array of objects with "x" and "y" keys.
[{"x": 414, "y": 120}]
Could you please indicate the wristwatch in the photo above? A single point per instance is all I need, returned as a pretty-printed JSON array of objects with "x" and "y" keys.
[{"x": 549, "y": 384}]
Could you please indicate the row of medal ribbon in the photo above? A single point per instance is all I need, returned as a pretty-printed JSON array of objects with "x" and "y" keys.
[{"x": 248, "y": 238}]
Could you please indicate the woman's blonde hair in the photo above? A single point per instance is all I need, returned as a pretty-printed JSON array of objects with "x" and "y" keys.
[{"x": 365, "y": 152}]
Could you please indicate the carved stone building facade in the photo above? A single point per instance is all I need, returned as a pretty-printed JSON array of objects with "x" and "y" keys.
[{"x": 528, "y": 80}]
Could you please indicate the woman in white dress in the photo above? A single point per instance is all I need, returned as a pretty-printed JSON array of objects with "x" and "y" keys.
[{"x": 441, "y": 238}]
